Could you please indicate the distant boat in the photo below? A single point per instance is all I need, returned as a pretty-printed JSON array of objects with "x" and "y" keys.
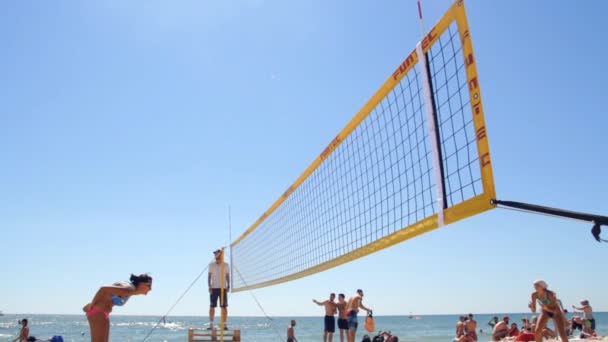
[{"x": 414, "y": 317}]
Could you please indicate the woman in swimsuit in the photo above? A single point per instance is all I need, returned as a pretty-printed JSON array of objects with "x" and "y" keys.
[
  {"x": 98, "y": 310},
  {"x": 550, "y": 309}
]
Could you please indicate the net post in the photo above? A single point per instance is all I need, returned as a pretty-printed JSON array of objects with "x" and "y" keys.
[
  {"x": 433, "y": 127},
  {"x": 231, "y": 264},
  {"x": 222, "y": 289}
]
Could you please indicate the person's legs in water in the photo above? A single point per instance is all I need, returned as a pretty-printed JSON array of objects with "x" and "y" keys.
[
  {"x": 100, "y": 327},
  {"x": 540, "y": 326}
]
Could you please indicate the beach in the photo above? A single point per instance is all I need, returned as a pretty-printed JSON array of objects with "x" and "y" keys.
[{"x": 435, "y": 328}]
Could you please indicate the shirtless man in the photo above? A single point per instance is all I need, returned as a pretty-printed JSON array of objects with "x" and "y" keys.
[
  {"x": 355, "y": 302},
  {"x": 470, "y": 330},
  {"x": 24, "y": 333},
  {"x": 501, "y": 329},
  {"x": 291, "y": 334},
  {"x": 342, "y": 318},
  {"x": 330, "y": 321}
]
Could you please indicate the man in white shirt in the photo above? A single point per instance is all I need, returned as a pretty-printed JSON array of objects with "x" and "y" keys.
[{"x": 215, "y": 288}]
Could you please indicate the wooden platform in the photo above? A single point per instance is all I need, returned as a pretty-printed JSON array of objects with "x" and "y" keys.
[{"x": 195, "y": 335}]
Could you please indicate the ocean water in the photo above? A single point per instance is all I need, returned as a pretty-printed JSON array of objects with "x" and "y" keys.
[{"x": 135, "y": 328}]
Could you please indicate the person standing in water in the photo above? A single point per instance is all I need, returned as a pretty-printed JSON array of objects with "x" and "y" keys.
[
  {"x": 550, "y": 309},
  {"x": 342, "y": 318},
  {"x": 24, "y": 333},
  {"x": 460, "y": 327},
  {"x": 493, "y": 321},
  {"x": 291, "y": 332},
  {"x": 470, "y": 329},
  {"x": 355, "y": 302},
  {"x": 98, "y": 310},
  {"x": 329, "y": 320},
  {"x": 215, "y": 287}
]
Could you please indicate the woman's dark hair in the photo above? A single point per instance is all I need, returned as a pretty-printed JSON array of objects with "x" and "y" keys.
[{"x": 138, "y": 279}]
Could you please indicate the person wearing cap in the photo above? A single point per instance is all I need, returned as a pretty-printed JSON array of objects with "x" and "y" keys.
[
  {"x": 501, "y": 329},
  {"x": 24, "y": 333},
  {"x": 215, "y": 287},
  {"x": 550, "y": 309},
  {"x": 588, "y": 319}
]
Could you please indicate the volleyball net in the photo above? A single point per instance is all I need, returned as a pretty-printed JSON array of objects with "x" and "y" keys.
[{"x": 414, "y": 158}]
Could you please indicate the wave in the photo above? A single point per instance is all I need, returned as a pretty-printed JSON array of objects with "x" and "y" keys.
[{"x": 168, "y": 326}]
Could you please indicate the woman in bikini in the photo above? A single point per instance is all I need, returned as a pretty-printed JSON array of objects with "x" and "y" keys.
[
  {"x": 98, "y": 310},
  {"x": 550, "y": 309}
]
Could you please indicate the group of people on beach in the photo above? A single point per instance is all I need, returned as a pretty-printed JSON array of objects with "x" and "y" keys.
[
  {"x": 99, "y": 309},
  {"x": 347, "y": 315},
  {"x": 535, "y": 329}
]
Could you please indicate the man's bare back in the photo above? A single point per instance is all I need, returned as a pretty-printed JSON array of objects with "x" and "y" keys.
[
  {"x": 500, "y": 326},
  {"x": 354, "y": 302}
]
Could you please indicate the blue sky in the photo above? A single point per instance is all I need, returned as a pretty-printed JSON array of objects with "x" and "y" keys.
[{"x": 128, "y": 128}]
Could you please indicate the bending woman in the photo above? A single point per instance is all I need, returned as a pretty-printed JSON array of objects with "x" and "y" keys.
[
  {"x": 98, "y": 310},
  {"x": 550, "y": 309}
]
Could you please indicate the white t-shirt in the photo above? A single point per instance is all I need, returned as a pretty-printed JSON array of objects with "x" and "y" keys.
[{"x": 215, "y": 271}]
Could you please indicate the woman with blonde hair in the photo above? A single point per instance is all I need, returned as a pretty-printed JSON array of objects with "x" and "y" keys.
[{"x": 550, "y": 309}]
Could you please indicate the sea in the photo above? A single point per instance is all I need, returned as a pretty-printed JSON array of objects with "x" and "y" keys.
[{"x": 435, "y": 328}]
